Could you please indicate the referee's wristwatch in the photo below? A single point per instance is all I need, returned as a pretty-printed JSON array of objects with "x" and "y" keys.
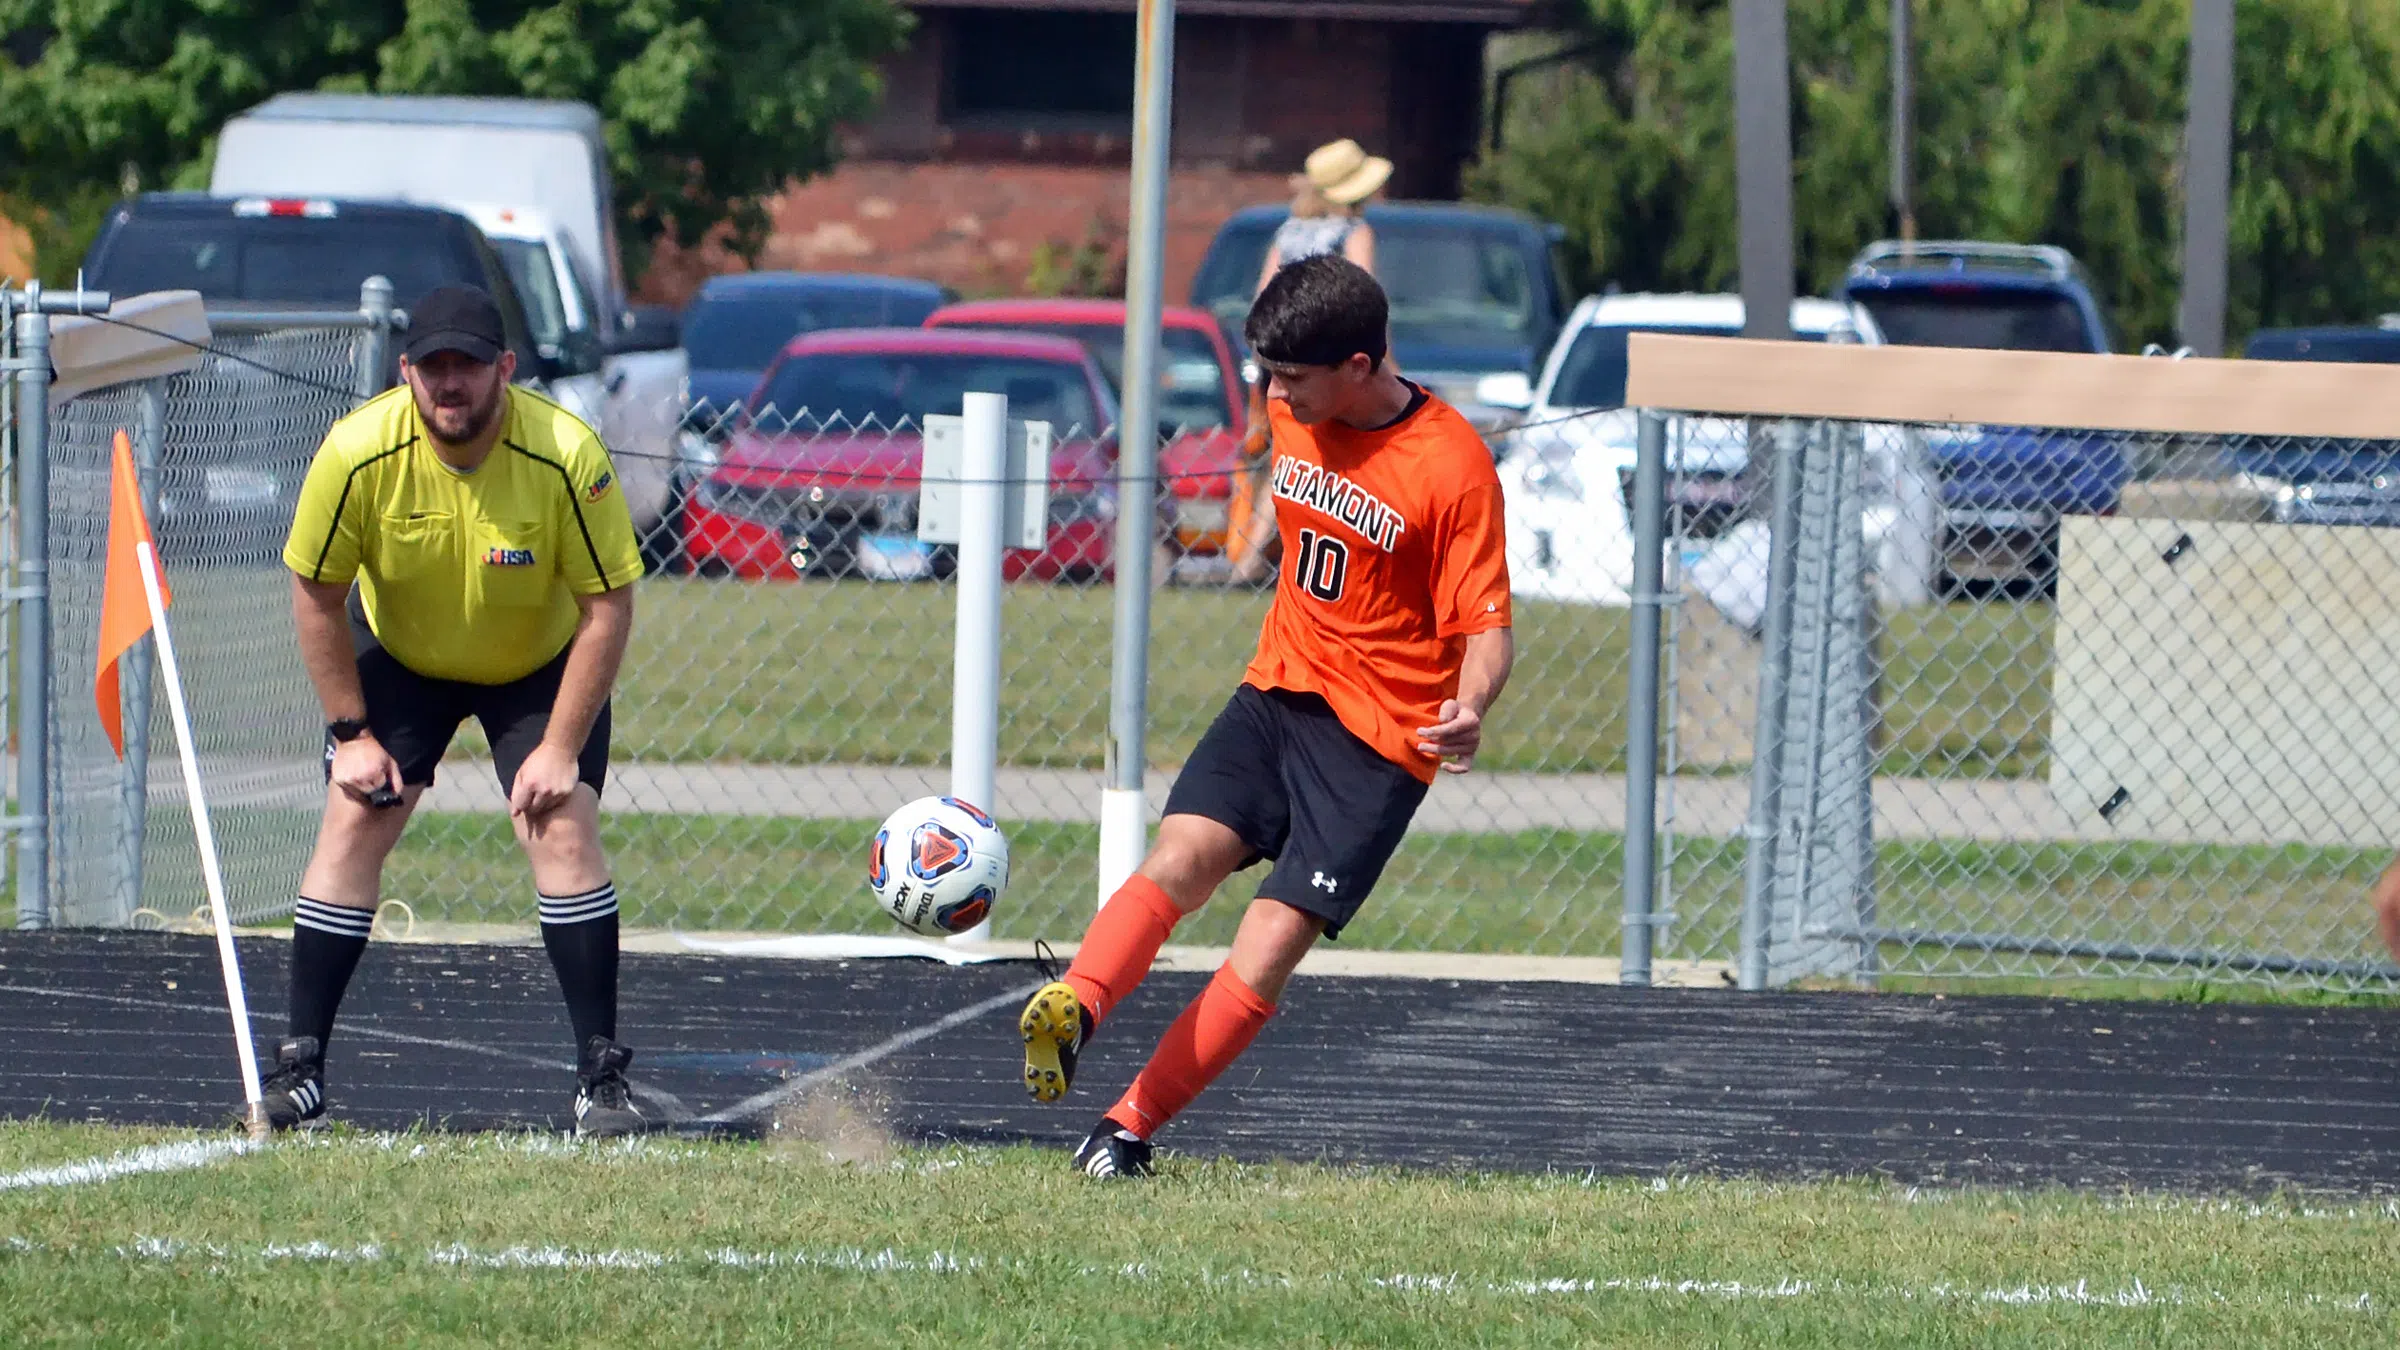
[{"x": 345, "y": 729}]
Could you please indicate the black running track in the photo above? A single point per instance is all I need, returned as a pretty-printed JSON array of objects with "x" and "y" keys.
[{"x": 130, "y": 1027}]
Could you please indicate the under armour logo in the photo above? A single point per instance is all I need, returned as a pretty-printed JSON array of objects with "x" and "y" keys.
[{"x": 1320, "y": 879}]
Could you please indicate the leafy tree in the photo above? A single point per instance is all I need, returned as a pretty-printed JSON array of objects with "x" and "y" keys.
[
  {"x": 709, "y": 105},
  {"x": 2056, "y": 121}
]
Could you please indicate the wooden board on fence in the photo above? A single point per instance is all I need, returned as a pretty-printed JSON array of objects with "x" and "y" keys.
[
  {"x": 1743, "y": 376},
  {"x": 2226, "y": 682}
]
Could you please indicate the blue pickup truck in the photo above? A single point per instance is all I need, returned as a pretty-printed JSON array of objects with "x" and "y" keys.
[
  {"x": 2003, "y": 488},
  {"x": 2325, "y": 482}
]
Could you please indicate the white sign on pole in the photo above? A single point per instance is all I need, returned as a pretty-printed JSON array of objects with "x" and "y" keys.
[{"x": 1026, "y": 512}]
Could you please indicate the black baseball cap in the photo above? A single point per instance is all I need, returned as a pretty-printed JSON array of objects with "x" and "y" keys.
[{"x": 461, "y": 319}]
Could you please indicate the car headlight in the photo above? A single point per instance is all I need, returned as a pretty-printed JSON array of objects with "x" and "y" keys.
[{"x": 1553, "y": 480}]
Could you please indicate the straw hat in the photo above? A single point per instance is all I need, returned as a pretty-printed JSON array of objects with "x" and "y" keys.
[{"x": 1345, "y": 173}]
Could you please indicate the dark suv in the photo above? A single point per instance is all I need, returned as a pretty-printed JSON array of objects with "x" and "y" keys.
[
  {"x": 1475, "y": 290},
  {"x": 2314, "y": 482},
  {"x": 2003, "y": 488},
  {"x": 229, "y": 491}
]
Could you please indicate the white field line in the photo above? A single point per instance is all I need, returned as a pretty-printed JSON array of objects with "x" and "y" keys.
[
  {"x": 2136, "y": 1293},
  {"x": 792, "y": 1087},
  {"x": 176, "y": 1157}
]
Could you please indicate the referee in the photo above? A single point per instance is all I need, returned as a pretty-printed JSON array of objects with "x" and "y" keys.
[{"x": 461, "y": 549}]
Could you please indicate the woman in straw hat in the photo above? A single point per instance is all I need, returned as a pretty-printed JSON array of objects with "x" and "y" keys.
[{"x": 1328, "y": 194}]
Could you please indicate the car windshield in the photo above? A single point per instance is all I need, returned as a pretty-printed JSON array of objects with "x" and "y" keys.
[
  {"x": 1593, "y": 375},
  {"x": 887, "y": 389},
  {"x": 283, "y": 259},
  {"x": 1451, "y": 283},
  {"x": 1191, "y": 386},
  {"x": 529, "y": 270},
  {"x": 745, "y": 332},
  {"x": 1990, "y": 320}
]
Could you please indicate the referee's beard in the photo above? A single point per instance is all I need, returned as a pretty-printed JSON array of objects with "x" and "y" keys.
[{"x": 457, "y": 398}]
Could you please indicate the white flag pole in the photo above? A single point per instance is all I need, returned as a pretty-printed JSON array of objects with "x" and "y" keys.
[{"x": 236, "y": 1003}]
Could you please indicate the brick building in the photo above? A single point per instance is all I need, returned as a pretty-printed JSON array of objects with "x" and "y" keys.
[{"x": 999, "y": 156}]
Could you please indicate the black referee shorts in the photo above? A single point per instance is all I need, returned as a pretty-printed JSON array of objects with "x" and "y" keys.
[
  {"x": 1281, "y": 771},
  {"x": 414, "y": 716}
]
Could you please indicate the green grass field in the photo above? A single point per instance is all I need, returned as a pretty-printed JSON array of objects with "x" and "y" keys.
[
  {"x": 860, "y": 673},
  {"x": 429, "y": 1240}
]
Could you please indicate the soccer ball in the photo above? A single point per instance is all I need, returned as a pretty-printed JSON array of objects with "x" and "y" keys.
[{"x": 938, "y": 866}]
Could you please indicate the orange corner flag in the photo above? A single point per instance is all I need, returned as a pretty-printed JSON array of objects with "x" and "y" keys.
[{"x": 124, "y": 608}]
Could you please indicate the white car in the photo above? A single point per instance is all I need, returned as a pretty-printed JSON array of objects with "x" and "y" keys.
[
  {"x": 631, "y": 397},
  {"x": 1566, "y": 471}
]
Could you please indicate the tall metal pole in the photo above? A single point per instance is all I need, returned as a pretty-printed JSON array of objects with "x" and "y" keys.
[
  {"x": 375, "y": 347},
  {"x": 1123, "y": 822},
  {"x": 975, "y": 663},
  {"x": 2207, "y": 178},
  {"x": 1762, "y": 157},
  {"x": 1904, "y": 117},
  {"x": 32, "y": 593},
  {"x": 1774, "y": 678},
  {"x": 1641, "y": 720}
]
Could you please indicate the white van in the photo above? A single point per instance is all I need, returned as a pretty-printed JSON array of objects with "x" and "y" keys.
[{"x": 533, "y": 175}]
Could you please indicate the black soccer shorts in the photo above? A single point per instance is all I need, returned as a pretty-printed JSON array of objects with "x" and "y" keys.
[
  {"x": 414, "y": 716},
  {"x": 1281, "y": 771}
]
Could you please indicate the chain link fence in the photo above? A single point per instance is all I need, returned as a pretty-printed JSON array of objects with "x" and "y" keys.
[
  {"x": 2010, "y": 738},
  {"x": 221, "y": 450},
  {"x": 2118, "y": 709},
  {"x": 788, "y": 682}
]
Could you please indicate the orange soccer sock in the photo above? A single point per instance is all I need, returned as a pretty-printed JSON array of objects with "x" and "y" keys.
[
  {"x": 1120, "y": 945},
  {"x": 1204, "y": 1042}
]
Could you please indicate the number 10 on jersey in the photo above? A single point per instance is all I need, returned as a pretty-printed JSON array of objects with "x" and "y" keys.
[{"x": 1323, "y": 565}]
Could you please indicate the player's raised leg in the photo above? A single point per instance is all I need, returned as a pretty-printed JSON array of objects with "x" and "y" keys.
[
  {"x": 1192, "y": 857},
  {"x": 1213, "y": 1031}
]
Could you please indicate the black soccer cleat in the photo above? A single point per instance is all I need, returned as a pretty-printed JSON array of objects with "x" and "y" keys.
[
  {"x": 1055, "y": 1025},
  {"x": 603, "y": 1099},
  {"x": 1112, "y": 1151},
  {"x": 293, "y": 1092}
]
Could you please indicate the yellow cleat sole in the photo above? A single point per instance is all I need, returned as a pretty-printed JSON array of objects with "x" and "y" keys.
[{"x": 1051, "y": 1023}]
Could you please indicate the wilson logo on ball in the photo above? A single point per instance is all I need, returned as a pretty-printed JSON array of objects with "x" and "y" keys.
[{"x": 936, "y": 851}]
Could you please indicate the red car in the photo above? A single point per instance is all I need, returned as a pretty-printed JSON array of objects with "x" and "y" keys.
[
  {"x": 1201, "y": 402},
  {"x": 818, "y": 475}
]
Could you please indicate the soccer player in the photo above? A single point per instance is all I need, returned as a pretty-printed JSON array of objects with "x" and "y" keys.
[
  {"x": 1386, "y": 643},
  {"x": 492, "y": 557}
]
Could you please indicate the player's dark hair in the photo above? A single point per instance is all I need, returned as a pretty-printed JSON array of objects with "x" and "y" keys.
[{"x": 1319, "y": 311}]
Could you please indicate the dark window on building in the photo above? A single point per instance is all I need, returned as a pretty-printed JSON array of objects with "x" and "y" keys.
[{"x": 1034, "y": 68}]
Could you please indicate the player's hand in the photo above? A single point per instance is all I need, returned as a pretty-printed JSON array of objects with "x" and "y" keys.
[
  {"x": 362, "y": 767},
  {"x": 1455, "y": 739},
  {"x": 547, "y": 778}
]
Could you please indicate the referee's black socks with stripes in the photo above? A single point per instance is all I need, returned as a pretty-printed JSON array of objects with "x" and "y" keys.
[
  {"x": 580, "y": 932},
  {"x": 327, "y": 941}
]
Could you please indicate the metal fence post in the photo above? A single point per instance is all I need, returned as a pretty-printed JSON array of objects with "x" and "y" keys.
[
  {"x": 1774, "y": 665},
  {"x": 1641, "y": 716},
  {"x": 375, "y": 344},
  {"x": 1123, "y": 817},
  {"x": 149, "y": 448},
  {"x": 32, "y": 594}
]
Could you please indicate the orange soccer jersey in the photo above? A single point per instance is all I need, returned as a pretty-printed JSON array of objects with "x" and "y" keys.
[{"x": 1393, "y": 553}]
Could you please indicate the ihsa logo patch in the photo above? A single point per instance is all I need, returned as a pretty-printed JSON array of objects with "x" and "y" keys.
[{"x": 509, "y": 557}]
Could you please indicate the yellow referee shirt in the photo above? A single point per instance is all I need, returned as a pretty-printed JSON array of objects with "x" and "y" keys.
[{"x": 466, "y": 576}]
